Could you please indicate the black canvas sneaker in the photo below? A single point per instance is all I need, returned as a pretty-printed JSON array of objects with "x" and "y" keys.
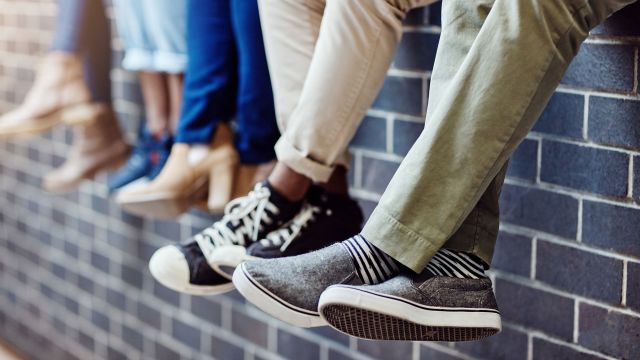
[
  {"x": 323, "y": 220},
  {"x": 413, "y": 307},
  {"x": 190, "y": 267}
]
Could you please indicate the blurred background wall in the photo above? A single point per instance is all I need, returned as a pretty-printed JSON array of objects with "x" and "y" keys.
[{"x": 73, "y": 267}]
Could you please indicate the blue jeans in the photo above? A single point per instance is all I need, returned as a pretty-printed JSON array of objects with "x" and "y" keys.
[
  {"x": 228, "y": 76},
  {"x": 82, "y": 28},
  {"x": 153, "y": 33}
]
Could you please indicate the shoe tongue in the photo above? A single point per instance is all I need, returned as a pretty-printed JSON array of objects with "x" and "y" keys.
[{"x": 316, "y": 195}]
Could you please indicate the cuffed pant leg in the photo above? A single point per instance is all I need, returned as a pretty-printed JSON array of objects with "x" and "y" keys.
[
  {"x": 472, "y": 131},
  {"x": 357, "y": 43},
  {"x": 210, "y": 85}
]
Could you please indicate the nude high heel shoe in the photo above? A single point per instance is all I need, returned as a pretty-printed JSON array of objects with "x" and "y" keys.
[
  {"x": 58, "y": 96},
  {"x": 180, "y": 185}
]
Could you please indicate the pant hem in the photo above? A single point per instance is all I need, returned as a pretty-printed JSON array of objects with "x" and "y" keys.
[
  {"x": 301, "y": 163},
  {"x": 400, "y": 242}
]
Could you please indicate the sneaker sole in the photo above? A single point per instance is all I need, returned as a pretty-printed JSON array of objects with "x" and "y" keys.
[
  {"x": 161, "y": 205},
  {"x": 375, "y": 316},
  {"x": 272, "y": 304},
  {"x": 72, "y": 115}
]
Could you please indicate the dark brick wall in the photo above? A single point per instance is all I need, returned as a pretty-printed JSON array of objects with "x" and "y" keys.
[{"x": 567, "y": 267}]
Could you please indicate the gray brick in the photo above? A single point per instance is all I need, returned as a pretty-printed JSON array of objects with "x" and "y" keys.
[
  {"x": 633, "y": 286},
  {"x": 167, "y": 229},
  {"x": 564, "y": 267},
  {"x": 602, "y": 67},
  {"x": 429, "y": 353},
  {"x": 636, "y": 178},
  {"x": 331, "y": 334},
  {"x": 249, "y": 328},
  {"x": 133, "y": 337},
  {"x": 524, "y": 161},
  {"x": 115, "y": 354},
  {"x": 205, "y": 309},
  {"x": 100, "y": 261},
  {"x": 584, "y": 168},
  {"x": 116, "y": 299},
  {"x": 512, "y": 254},
  {"x": 338, "y": 355},
  {"x": 611, "y": 227},
  {"x": 222, "y": 349},
  {"x": 149, "y": 315},
  {"x": 508, "y": 345},
  {"x": 614, "y": 122},
  {"x": 377, "y": 173},
  {"x": 164, "y": 353},
  {"x": 401, "y": 94},
  {"x": 385, "y": 349},
  {"x": 100, "y": 320},
  {"x": 540, "y": 210},
  {"x": 294, "y": 347},
  {"x": 417, "y": 51},
  {"x": 544, "y": 350},
  {"x": 132, "y": 275},
  {"x": 186, "y": 334},
  {"x": 563, "y": 116},
  {"x": 372, "y": 134},
  {"x": 609, "y": 332},
  {"x": 166, "y": 294},
  {"x": 553, "y": 313},
  {"x": 405, "y": 134}
]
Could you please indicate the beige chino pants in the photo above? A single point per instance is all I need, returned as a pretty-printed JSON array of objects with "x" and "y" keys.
[
  {"x": 328, "y": 60},
  {"x": 496, "y": 68}
]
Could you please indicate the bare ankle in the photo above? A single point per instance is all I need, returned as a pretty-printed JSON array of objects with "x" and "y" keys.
[
  {"x": 290, "y": 184},
  {"x": 337, "y": 183}
]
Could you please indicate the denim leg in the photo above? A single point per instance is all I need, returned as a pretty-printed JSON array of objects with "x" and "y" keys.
[
  {"x": 211, "y": 78},
  {"x": 82, "y": 28},
  {"x": 257, "y": 130}
]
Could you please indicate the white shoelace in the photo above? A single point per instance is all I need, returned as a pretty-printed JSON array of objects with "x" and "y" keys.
[
  {"x": 250, "y": 212},
  {"x": 284, "y": 236}
]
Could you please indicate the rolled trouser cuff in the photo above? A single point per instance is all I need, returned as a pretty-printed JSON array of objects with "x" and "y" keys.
[
  {"x": 301, "y": 163},
  {"x": 414, "y": 250},
  {"x": 398, "y": 241}
]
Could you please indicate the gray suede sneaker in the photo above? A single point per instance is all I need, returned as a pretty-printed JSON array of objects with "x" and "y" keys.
[
  {"x": 416, "y": 308},
  {"x": 289, "y": 288}
]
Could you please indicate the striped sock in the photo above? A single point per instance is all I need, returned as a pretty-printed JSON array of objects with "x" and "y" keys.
[
  {"x": 456, "y": 264},
  {"x": 372, "y": 265}
]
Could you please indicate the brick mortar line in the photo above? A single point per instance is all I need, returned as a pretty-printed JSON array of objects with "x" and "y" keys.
[
  {"x": 553, "y": 188},
  {"x": 568, "y": 89},
  {"x": 79, "y": 321},
  {"x": 537, "y": 334},
  {"x": 558, "y": 240},
  {"x": 542, "y": 286},
  {"x": 534, "y": 135},
  {"x": 104, "y": 308}
]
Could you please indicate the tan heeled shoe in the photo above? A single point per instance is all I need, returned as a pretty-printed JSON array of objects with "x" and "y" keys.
[
  {"x": 97, "y": 146},
  {"x": 244, "y": 178},
  {"x": 59, "y": 95},
  {"x": 180, "y": 184}
]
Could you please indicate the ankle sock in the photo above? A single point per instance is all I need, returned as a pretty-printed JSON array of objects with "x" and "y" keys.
[
  {"x": 372, "y": 265},
  {"x": 458, "y": 264}
]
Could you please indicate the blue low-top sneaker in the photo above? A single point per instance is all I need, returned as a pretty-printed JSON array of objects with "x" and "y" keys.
[{"x": 146, "y": 160}]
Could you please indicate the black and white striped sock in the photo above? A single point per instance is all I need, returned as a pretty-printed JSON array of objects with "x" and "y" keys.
[
  {"x": 456, "y": 264},
  {"x": 372, "y": 265}
]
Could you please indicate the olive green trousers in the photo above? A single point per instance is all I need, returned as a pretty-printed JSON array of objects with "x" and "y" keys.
[{"x": 498, "y": 63}]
